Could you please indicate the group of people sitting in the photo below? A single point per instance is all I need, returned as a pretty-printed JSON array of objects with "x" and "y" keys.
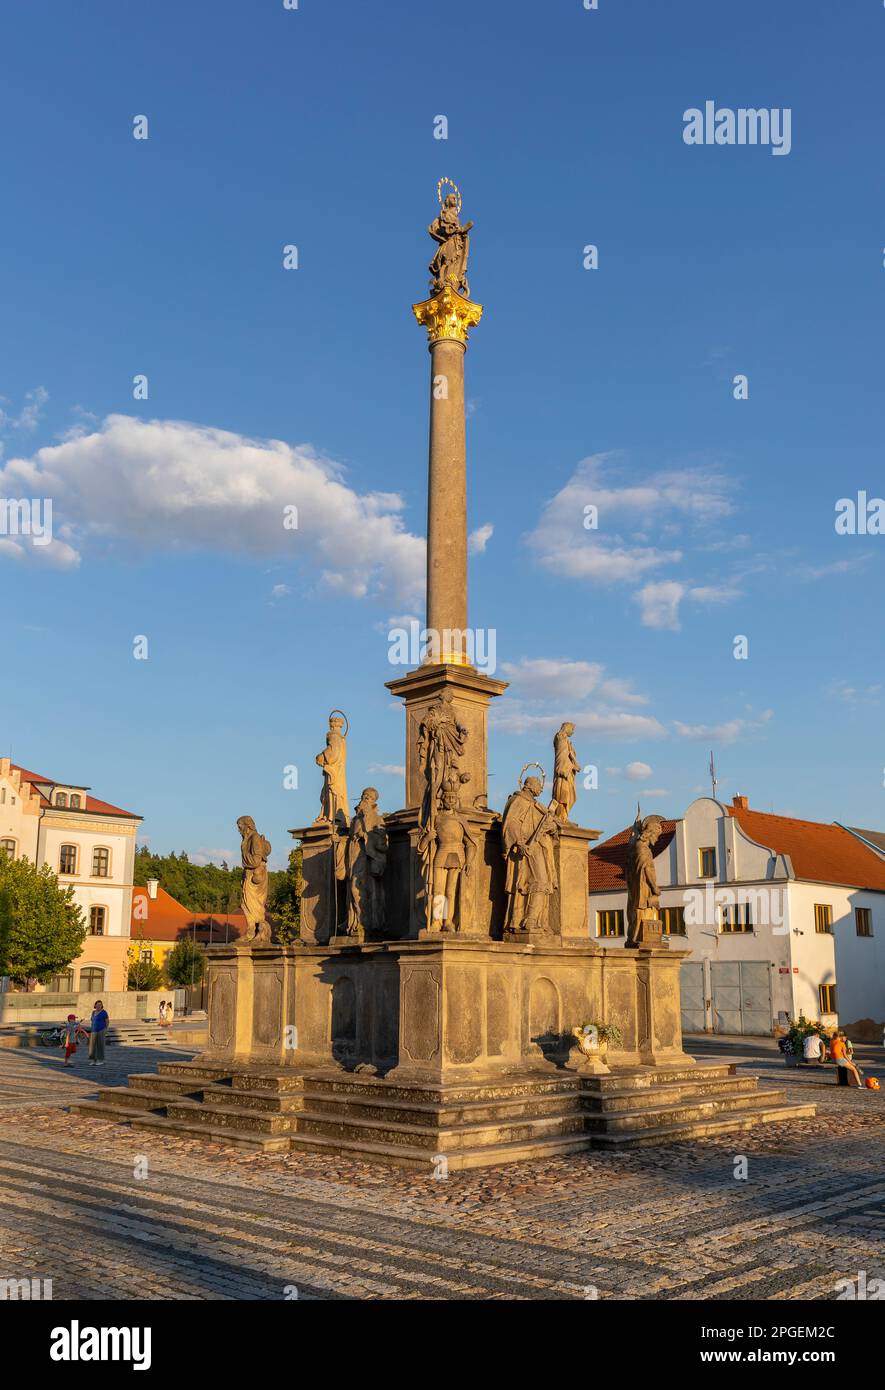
[{"x": 816, "y": 1048}]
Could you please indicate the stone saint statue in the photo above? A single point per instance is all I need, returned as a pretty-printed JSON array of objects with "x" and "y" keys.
[
  {"x": 529, "y": 831},
  {"x": 253, "y": 896},
  {"x": 642, "y": 883},
  {"x": 449, "y": 265},
  {"x": 565, "y": 769},
  {"x": 448, "y": 852},
  {"x": 333, "y": 761},
  {"x": 442, "y": 741},
  {"x": 366, "y": 859}
]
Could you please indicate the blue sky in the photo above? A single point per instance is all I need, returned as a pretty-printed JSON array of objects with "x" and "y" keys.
[{"x": 613, "y": 386}]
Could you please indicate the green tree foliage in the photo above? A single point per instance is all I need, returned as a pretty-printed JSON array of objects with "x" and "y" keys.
[
  {"x": 185, "y": 964},
  {"x": 41, "y": 927},
  {"x": 284, "y": 900},
  {"x": 200, "y": 887},
  {"x": 145, "y": 975}
]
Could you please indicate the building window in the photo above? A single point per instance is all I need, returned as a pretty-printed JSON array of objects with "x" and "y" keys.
[
  {"x": 61, "y": 798},
  {"x": 673, "y": 919},
  {"x": 97, "y": 918},
  {"x": 62, "y": 984},
  {"x": 823, "y": 917},
  {"x": 101, "y": 863},
  {"x": 737, "y": 918},
  {"x": 7, "y": 847},
  {"x": 67, "y": 859},
  {"x": 610, "y": 922},
  {"x": 827, "y": 995},
  {"x": 75, "y": 802},
  {"x": 147, "y": 955},
  {"x": 707, "y": 858},
  {"x": 92, "y": 979},
  {"x": 863, "y": 921}
]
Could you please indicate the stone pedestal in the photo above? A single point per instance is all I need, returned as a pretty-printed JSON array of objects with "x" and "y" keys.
[
  {"x": 442, "y": 1009},
  {"x": 323, "y": 894}
]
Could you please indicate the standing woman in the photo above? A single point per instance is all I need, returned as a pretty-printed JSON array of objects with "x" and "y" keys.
[{"x": 100, "y": 1022}]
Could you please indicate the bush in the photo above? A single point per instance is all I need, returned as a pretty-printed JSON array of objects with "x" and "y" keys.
[
  {"x": 185, "y": 964},
  {"x": 145, "y": 975}
]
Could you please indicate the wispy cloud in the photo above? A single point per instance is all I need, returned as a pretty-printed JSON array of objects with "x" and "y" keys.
[{"x": 727, "y": 731}]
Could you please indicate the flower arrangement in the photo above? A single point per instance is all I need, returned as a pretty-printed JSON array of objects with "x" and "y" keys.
[{"x": 592, "y": 1036}]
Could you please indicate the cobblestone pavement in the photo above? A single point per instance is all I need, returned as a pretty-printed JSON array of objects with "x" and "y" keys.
[{"x": 206, "y": 1222}]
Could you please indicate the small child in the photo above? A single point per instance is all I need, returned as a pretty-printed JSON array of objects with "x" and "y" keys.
[{"x": 72, "y": 1033}]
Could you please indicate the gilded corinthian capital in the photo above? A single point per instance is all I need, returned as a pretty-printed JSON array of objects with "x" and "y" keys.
[{"x": 447, "y": 315}]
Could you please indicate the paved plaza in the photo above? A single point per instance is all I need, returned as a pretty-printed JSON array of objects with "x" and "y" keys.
[{"x": 109, "y": 1212}]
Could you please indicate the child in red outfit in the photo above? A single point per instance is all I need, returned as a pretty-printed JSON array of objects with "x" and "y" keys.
[{"x": 73, "y": 1031}]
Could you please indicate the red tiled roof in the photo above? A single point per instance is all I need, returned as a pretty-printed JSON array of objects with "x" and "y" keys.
[
  {"x": 91, "y": 803},
  {"x": 608, "y": 861},
  {"x": 166, "y": 917},
  {"x": 820, "y": 853}
]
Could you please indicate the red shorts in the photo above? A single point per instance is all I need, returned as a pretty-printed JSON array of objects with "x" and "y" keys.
[{"x": 69, "y": 1048}]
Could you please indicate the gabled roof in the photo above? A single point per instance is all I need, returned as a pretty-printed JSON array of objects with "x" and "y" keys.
[
  {"x": 162, "y": 918},
  {"x": 90, "y": 803},
  {"x": 820, "y": 853},
  {"x": 875, "y": 837},
  {"x": 608, "y": 861}
]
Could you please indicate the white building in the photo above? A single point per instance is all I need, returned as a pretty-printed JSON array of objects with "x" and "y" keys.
[
  {"x": 90, "y": 845},
  {"x": 780, "y": 916}
]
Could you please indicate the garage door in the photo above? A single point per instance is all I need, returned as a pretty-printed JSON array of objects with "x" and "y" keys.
[
  {"x": 741, "y": 996},
  {"x": 691, "y": 989}
]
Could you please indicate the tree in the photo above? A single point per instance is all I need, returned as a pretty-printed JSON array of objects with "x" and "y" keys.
[
  {"x": 185, "y": 964},
  {"x": 284, "y": 900},
  {"x": 145, "y": 975},
  {"x": 41, "y": 927}
]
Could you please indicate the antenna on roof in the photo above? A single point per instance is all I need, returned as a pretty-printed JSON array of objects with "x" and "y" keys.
[{"x": 713, "y": 774}]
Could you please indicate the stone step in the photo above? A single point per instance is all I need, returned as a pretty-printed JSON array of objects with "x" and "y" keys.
[
  {"x": 333, "y": 1084},
  {"x": 232, "y": 1097},
  {"x": 199, "y": 1071},
  {"x": 642, "y": 1078},
  {"x": 680, "y": 1112},
  {"x": 514, "y": 1151},
  {"x": 104, "y": 1111},
  {"x": 697, "y": 1129},
  {"x": 442, "y": 1140},
  {"x": 131, "y": 1098},
  {"x": 166, "y": 1085},
  {"x": 374, "y": 1107},
  {"x": 236, "y": 1138},
  {"x": 610, "y": 1102},
  {"x": 230, "y": 1117}
]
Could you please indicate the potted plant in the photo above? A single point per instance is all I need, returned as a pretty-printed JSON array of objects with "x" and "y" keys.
[{"x": 594, "y": 1038}]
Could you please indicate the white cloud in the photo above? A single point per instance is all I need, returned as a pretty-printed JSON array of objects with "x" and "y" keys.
[
  {"x": 479, "y": 539},
  {"x": 637, "y": 771},
  {"x": 654, "y": 791},
  {"x": 29, "y": 415},
  {"x": 389, "y": 769},
  {"x": 614, "y": 724},
  {"x": 617, "y": 550},
  {"x": 726, "y": 732},
  {"x": 836, "y": 567},
  {"x": 168, "y": 484},
  {"x": 539, "y": 678},
  {"x": 280, "y": 591},
  {"x": 659, "y": 603}
]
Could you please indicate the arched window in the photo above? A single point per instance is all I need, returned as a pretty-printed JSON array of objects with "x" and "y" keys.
[
  {"x": 62, "y": 984},
  {"x": 7, "y": 847},
  {"x": 98, "y": 917},
  {"x": 101, "y": 862},
  {"x": 61, "y": 798},
  {"x": 92, "y": 979},
  {"x": 75, "y": 802},
  {"x": 67, "y": 859}
]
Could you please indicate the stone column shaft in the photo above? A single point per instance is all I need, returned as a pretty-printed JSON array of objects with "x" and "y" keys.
[{"x": 447, "y": 502}]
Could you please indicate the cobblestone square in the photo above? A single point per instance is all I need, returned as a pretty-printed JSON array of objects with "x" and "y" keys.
[{"x": 105, "y": 1212}]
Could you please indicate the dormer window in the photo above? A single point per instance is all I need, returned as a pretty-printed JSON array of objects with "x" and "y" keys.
[
  {"x": 61, "y": 799},
  {"x": 75, "y": 802}
]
